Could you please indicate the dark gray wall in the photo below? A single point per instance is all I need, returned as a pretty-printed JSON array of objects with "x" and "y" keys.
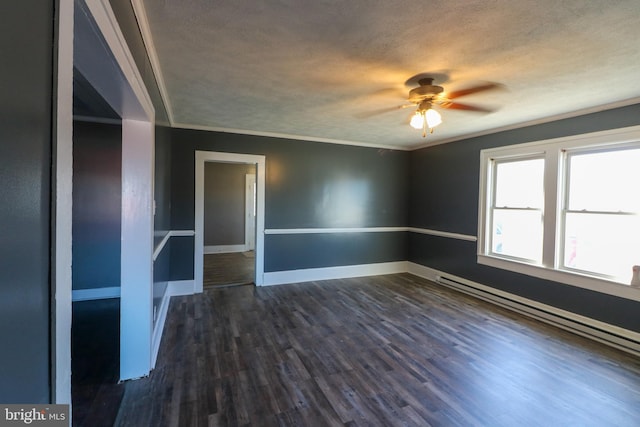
[
  {"x": 444, "y": 196},
  {"x": 296, "y": 251},
  {"x": 181, "y": 258},
  {"x": 26, "y": 47},
  {"x": 308, "y": 185},
  {"x": 97, "y": 200},
  {"x": 224, "y": 203},
  {"x": 162, "y": 185},
  {"x": 162, "y": 218}
]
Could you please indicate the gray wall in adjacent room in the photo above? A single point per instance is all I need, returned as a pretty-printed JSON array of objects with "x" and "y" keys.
[
  {"x": 308, "y": 185},
  {"x": 444, "y": 196},
  {"x": 97, "y": 201},
  {"x": 224, "y": 203},
  {"x": 26, "y": 92}
]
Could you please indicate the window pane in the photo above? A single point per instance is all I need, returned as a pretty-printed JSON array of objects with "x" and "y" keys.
[
  {"x": 604, "y": 244},
  {"x": 605, "y": 181},
  {"x": 520, "y": 184},
  {"x": 517, "y": 234}
]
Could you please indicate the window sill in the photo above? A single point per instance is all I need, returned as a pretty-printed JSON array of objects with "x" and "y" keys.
[{"x": 565, "y": 277}]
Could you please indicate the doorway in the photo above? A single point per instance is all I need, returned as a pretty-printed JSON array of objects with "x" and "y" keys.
[
  {"x": 258, "y": 162},
  {"x": 229, "y": 224},
  {"x": 91, "y": 42}
]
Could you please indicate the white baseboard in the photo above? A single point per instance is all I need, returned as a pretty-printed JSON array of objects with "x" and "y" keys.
[
  {"x": 606, "y": 333},
  {"x": 159, "y": 328},
  {"x": 327, "y": 273},
  {"x": 174, "y": 288},
  {"x": 224, "y": 249},
  {"x": 180, "y": 287},
  {"x": 95, "y": 293}
]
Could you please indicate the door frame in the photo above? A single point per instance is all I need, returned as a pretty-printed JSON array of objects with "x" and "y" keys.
[
  {"x": 250, "y": 193},
  {"x": 102, "y": 55},
  {"x": 201, "y": 157}
]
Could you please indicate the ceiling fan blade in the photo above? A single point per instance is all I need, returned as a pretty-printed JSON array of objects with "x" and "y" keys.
[
  {"x": 388, "y": 92},
  {"x": 367, "y": 114},
  {"x": 466, "y": 107},
  {"x": 471, "y": 90}
]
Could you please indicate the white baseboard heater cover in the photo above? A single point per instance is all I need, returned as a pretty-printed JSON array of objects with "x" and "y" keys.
[{"x": 605, "y": 333}]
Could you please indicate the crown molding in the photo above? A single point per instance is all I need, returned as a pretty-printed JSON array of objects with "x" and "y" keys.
[{"x": 287, "y": 136}]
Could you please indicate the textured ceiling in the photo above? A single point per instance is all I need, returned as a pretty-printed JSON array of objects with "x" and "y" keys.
[{"x": 319, "y": 68}]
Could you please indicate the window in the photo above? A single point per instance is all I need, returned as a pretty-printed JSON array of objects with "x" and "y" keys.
[
  {"x": 601, "y": 213},
  {"x": 516, "y": 209},
  {"x": 566, "y": 209}
]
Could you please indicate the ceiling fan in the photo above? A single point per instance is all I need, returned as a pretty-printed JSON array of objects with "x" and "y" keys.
[{"x": 427, "y": 95}]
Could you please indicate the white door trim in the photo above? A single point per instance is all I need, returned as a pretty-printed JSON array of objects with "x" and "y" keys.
[
  {"x": 62, "y": 210},
  {"x": 249, "y": 209},
  {"x": 213, "y": 156},
  {"x": 136, "y": 263}
]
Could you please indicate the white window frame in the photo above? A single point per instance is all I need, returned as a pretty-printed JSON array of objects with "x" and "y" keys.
[
  {"x": 491, "y": 200},
  {"x": 554, "y": 152}
]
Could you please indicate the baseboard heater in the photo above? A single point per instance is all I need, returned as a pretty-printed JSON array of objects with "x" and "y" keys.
[{"x": 613, "y": 336}]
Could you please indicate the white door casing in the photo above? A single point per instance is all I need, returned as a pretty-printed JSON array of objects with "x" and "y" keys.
[
  {"x": 250, "y": 212},
  {"x": 213, "y": 156}
]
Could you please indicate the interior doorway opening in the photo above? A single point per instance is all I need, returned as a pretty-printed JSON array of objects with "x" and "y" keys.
[
  {"x": 94, "y": 58},
  {"x": 257, "y": 163},
  {"x": 229, "y": 224}
]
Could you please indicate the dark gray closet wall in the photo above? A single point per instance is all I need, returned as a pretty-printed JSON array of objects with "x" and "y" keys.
[
  {"x": 97, "y": 201},
  {"x": 26, "y": 47},
  {"x": 444, "y": 196},
  {"x": 308, "y": 185}
]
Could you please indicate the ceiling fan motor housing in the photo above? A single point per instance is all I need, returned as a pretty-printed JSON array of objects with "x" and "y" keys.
[{"x": 425, "y": 91}]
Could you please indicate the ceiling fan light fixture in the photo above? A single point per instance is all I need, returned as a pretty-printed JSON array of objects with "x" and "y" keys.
[
  {"x": 433, "y": 118},
  {"x": 425, "y": 119},
  {"x": 417, "y": 121}
]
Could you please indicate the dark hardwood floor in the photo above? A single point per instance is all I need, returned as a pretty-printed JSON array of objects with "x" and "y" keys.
[
  {"x": 227, "y": 269},
  {"x": 386, "y": 350},
  {"x": 95, "y": 362}
]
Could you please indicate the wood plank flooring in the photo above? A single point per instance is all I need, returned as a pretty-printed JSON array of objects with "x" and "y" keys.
[
  {"x": 95, "y": 362},
  {"x": 226, "y": 269},
  {"x": 378, "y": 351}
]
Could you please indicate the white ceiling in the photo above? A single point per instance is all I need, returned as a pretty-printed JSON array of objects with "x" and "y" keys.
[{"x": 316, "y": 69}]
